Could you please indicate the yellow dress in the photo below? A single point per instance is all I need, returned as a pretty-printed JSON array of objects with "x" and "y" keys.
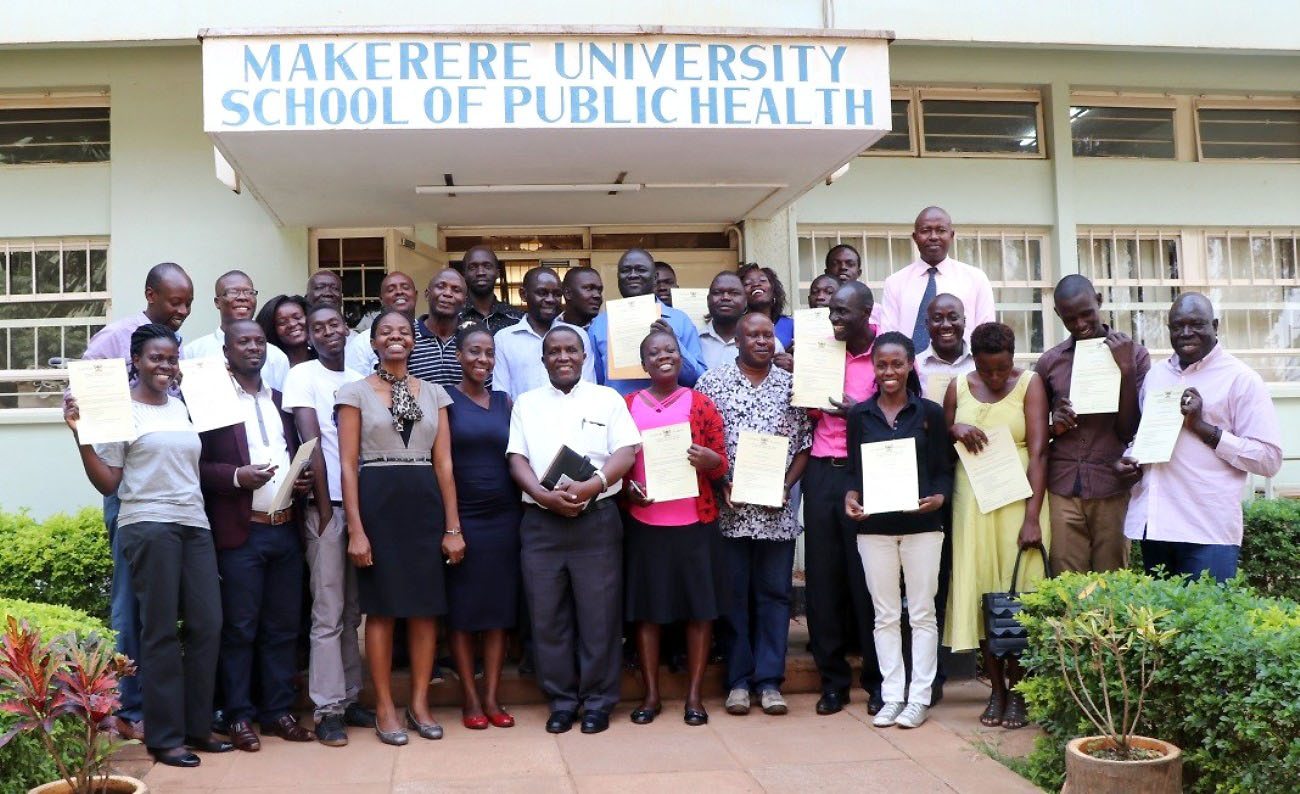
[{"x": 984, "y": 544}]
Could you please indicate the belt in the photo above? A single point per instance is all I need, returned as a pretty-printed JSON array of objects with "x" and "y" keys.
[
  {"x": 838, "y": 463},
  {"x": 273, "y": 519},
  {"x": 407, "y": 460}
]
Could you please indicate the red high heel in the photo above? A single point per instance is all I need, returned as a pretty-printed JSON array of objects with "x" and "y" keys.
[
  {"x": 475, "y": 722},
  {"x": 502, "y": 720}
]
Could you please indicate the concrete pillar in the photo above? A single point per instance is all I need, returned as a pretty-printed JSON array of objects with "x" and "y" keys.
[{"x": 1056, "y": 112}]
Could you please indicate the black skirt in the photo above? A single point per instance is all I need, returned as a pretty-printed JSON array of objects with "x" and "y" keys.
[
  {"x": 401, "y": 512},
  {"x": 672, "y": 573}
]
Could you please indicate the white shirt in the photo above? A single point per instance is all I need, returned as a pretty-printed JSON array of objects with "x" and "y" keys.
[
  {"x": 274, "y": 368},
  {"x": 718, "y": 351},
  {"x": 312, "y": 385},
  {"x": 266, "y": 442},
  {"x": 519, "y": 366},
  {"x": 935, "y": 373},
  {"x": 592, "y": 420},
  {"x": 358, "y": 355},
  {"x": 905, "y": 288}
]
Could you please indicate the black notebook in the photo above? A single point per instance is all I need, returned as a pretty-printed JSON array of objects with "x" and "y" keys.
[{"x": 570, "y": 464}]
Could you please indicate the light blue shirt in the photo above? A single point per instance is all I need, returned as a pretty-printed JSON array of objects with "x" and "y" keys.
[
  {"x": 519, "y": 366},
  {"x": 688, "y": 341}
]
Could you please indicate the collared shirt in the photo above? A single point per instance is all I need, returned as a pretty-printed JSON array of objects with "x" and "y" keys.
[
  {"x": 829, "y": 437},
  {"x": 1080, "y": 462},
  {"x": 432, "y": 359},
  {"x": 313, "y": 385},
  {"x": 274, "y": 369},
  {"x": 688, "y": 341},
  {"x": 519, "y": 366},
  {"x": 358, "y": 355},
  {"x": 717, "y": 351},
  {"x": 935, "y": 373},
  {"x": 501, "y": 315},
  {"x": 266, "y": 442},
  {"x": 923, "y": 421},
  {"x": 591, "y": 420},
  {"x": 764, "y": 408},
  {"x": 114, "y": 340},
  {"x": 905, "y": 288},
  {"x": 1196, "y": 496}
]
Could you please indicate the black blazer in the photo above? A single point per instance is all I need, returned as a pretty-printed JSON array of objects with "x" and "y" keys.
[{"x": 924, "y": 421}]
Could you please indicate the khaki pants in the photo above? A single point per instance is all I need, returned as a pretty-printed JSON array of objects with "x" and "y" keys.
[
  {"x": 334, "y": 676},
  {"x": 1088, "y": 534}
]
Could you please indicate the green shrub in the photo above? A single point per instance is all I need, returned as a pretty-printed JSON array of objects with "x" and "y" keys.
[
  {"x": 1229, "y": 695},
  {"x": 1270, "y": 548},
  {"x": 62, "y": 560},
  {"x": 23, "y": 762}
]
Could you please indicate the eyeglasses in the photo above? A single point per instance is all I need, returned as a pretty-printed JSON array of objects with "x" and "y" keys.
[{"x": 240, "y": 293}]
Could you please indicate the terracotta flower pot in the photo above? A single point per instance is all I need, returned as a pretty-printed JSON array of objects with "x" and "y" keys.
[
  {"x": 117, "y": 784},
  {"x": 1085, "y": 774}
]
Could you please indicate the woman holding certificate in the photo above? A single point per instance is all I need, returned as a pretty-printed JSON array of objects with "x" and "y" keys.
[
  {"x": 900, "y": 464},
  {"x": 166, "y": 540},
  {"x": 997, "y": 412},
  {"x": 671, "y": 541}
]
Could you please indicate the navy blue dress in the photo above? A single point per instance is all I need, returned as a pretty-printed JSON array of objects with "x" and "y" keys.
[{"x": 483, "y": 590}]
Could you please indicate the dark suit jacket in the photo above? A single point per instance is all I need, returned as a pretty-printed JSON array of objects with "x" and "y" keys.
[{"x": 229, "y": 507}]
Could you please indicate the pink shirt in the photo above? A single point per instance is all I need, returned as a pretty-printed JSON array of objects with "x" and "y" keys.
[
  {"x": 1196, "y": 496},
  {"x": 904, "y": 289},
  {"x": 678, "y": 512},
  {"x": 830, "y": 438}
]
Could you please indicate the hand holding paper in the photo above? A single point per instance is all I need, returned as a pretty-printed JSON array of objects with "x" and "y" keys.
[
  {"x": 996, "y": 474},
  {"x": 1162, "y": 420},
  {"x": 759, "y": 475},
  {"x": 629, "y": 322},
  {"x": 1094, "y": 378},
  {"x": 103, "y": 401}
]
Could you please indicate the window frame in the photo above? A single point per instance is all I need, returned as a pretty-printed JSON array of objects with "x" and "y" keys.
[
  {"x": 1130, "y": 100},
  {"x": 916, "y": 94},
  {"x": 53, "y": 99},
  {"x": 1228, "y": 102},
  {"x": 900, "y": 94}
]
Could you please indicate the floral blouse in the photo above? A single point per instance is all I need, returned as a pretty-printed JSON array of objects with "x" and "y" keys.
[{"x": 764, "y": 408}]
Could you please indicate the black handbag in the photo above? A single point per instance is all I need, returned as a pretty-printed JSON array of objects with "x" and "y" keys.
[{"x": 1002, "y": 630}]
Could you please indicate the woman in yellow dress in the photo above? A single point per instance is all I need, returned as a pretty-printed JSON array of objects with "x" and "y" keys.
[{"x": 984, "y": 545}]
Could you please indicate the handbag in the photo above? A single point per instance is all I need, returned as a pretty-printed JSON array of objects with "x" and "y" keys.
[{"x": 1003, "y": 633}]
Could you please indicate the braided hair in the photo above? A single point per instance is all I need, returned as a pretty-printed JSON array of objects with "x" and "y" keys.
[
  {"x": 145, "y": 334},
  {"x": 905, "y": 342}
]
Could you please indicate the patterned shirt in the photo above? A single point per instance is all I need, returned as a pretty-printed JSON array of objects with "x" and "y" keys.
[
  {"x": 764, "y": 408},
  {"x": 433, "y": 359},
  {"x": 501, "y": 315}
]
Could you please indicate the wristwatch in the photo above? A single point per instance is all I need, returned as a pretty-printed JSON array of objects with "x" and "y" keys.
[{"x": 455, "y": 531}]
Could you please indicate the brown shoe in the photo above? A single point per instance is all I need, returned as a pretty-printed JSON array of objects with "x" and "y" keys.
[
  {"x": 128, "y": 729},
  {"x": 242, "y": 736},
  {"x": 287, "y": 728}
]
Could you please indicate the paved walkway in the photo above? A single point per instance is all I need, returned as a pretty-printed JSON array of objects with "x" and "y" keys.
[{"x": 798, "y": 752}]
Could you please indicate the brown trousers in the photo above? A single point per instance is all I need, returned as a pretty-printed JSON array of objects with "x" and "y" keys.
[{"x": 1088, "y": 534}]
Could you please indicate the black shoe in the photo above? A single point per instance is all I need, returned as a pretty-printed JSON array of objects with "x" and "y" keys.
[
  {"x": 594, "y": 721},
  {"x": 695, "y": 717},
  {"x": 219, "y": 723},
  {"x": 560, "y": 721},
  {"x": 330, "y": 731},
  {"x": 875, "y": 702},
  {"x": 643, "y": 716},
  {"x": 832, "y": 702},
  {"x": 207, "y": 744},
  {"x": 176, "y": 756},
  {"x": 358, "y": 716}
]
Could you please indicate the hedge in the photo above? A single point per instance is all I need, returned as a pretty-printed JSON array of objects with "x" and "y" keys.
[
  {"x": 64, "y": 559},
  {"x": 1228, "y": 694},
  {"x": 23, "y": 762}
]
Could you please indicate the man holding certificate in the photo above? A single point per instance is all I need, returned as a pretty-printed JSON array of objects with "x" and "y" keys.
[
  {"x": 259, "y": 555},
  {"x": 767, "y": 443},
  {"x": 1088, "y": 500},
  {"x": 1187, "y": 511}
]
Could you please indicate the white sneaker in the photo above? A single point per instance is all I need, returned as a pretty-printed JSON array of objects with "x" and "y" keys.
[
  {"x": 738, "y": 701},
  {"x": 772, "y": 702},
  {"x": 888, "y": 715},
  {"x": 913, "y": 716}
]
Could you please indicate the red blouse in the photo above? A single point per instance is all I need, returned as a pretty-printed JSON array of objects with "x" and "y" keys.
[{"x": 707, "y": 431}]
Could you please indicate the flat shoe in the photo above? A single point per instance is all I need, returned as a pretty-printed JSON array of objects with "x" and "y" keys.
[
  {"x": 396, "y": 738},
  {"x": 431, "y": 731},
  {"x": 475, "y": 722},
  {"x": 644, "y": 716},
  {"x": 177, "y": 756},
  {"x": 501, "y": 719},
  {"x": 696, "y": 717},
  {"x": 560, "y": 721}
]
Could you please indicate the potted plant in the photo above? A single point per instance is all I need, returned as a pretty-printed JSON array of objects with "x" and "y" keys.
[
  {"x": 1108, "y": 659},
  {"x": 42, "y": 683}
]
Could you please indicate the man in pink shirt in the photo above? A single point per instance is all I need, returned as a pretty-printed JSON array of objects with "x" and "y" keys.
[
  {"x": 1187, "y": 512},
  {"x": 839, "y": 608},
  {"x": 910, "y": 290}
]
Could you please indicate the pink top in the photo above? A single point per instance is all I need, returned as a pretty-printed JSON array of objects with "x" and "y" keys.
[
  {"x": 1196, "y": 496},
  {"x": 675, "y": 410},
  {"x": 830, "y": 439},
  {"x": 905, "y": 288}
]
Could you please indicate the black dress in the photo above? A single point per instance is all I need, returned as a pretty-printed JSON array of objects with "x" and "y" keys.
[{"x": 483, "y": 589}]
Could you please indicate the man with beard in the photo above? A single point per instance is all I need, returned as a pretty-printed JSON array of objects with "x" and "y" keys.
[
  {"x": 482, "y": 272},
  {"x": 236, "y": 299},
  {"x": 519, "y": 367}
]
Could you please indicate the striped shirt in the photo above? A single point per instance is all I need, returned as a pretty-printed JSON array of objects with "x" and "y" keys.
[{"x": 433, "y": 359}]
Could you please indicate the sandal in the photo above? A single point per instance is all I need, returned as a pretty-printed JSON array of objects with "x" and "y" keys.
[
  {"x": 992, "y": 716},
  {"x": 1016, "y": 716}
]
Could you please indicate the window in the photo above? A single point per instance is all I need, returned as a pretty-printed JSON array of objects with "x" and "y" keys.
[
  {"x": 937, "y": 122},
  {"x": 1106, "y": 131},
  {"x": 1246, "y": 132},
  {"x": 53, "y": 298},
  {"x": 899, "y": 138},
  {"x": 1013, "y": 259},
  {"x": 360, "y": 264},
  {"x": 54, "y": 128},
  {"x": 1249, "y": 275}
]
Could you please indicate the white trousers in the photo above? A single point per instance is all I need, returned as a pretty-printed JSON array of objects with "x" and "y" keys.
[{"x": 918, "y": 558}]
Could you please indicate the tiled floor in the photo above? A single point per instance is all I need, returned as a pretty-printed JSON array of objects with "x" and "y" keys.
[{"x": 798, "y": 752}]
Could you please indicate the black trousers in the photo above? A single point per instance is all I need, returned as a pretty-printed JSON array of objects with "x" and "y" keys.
[
  {"x": 261, "y": 583},
  {"x": 840, "y": 615},
  {"x": 174, "y": 572},
  {"x": 573, "y": 575}
]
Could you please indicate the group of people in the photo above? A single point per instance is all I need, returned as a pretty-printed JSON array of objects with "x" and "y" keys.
[{"x": 478, "y": 464}]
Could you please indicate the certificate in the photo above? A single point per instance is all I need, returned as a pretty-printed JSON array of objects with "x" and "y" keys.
[
  {"x": 936, "y": 386},
  {"x": 103, "y": 398},
  {"x": 628, "y": 323},
  {"x": 668, "y": 474},
  {"x": 694, "y": 302},
  {"x": 1094, "y": 378},
  {"x": 1162, "y": 420},
  {"x": 210, "y": 393},
  {"x": 813, "y": 324},
  {"x": 889, "y": 476},
  {"x": 301, "y": 459},
  {"x": 759, "y": 475},
  {"x": 996, "y": 474},
  {"x": 818, "y": 373}
]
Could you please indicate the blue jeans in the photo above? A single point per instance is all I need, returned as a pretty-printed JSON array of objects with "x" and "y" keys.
[
  {"x": 757, "y": 611},
  {"x": 1190, "y": 558},
  {"x": 124, "y": 616}
]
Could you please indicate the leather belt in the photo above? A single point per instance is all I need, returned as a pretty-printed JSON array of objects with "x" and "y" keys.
[
  {"x": 838, "y": 463},
  {"x": 273, "y": 519}
]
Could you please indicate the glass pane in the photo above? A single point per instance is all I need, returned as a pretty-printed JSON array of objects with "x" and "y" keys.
[
  {"x": 1250, "y": 134},
  {"x": 75, "y": 339},
  {"x": 371, "y": 281},
  {"x": 98, "y": 270},
  {"x": 880, "y": 258},
  {"x": 1122, "y": 132},
  {"x": 20, "y": 272},
  {"x": 1014, "y": 266},
  {"x": 47, "y": 271},
  {"x": 327, "y": 252},
  {"x": 965, "y": 249},
  {"x": 4, "y": 272},
  {"x": 1021, "y": 309},
  {"x": 980, "y": 126},
  {"x": 22, "y": 355},
  {"x": 363, "y": 251},
  {"x": 54, "y": 135},
  {"x": 74, "y": 270},
  {"x": 49, "y": 309},
  {"x": 900, "y": 138}
]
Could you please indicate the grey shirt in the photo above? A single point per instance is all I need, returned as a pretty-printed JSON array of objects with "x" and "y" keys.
[{"x": 160, "y": 468}]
